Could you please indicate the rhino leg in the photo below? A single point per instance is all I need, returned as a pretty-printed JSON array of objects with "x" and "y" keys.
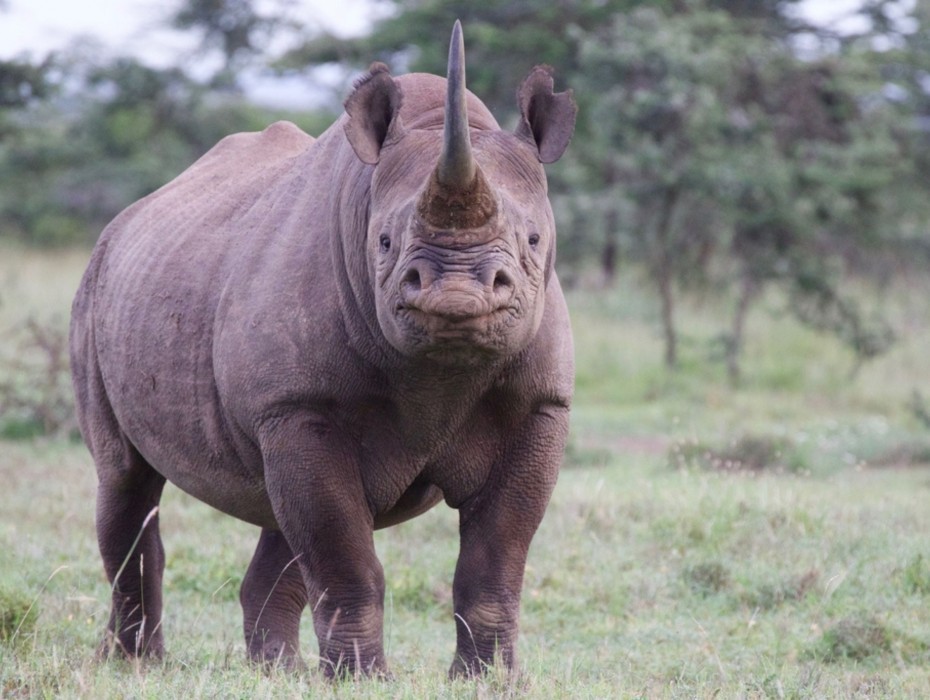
[
  {"x": 319, "y": 502},
  {"x": 273, "y": 597},
  {"x": 133, "y": 555},
  {"x": 496, "y": 528}
]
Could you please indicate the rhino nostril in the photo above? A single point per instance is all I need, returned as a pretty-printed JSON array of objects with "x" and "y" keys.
[
  {"x": 502, "y": 281},
  {"x": 411, "y": 281},
  {"x": 411, "y": 285}
]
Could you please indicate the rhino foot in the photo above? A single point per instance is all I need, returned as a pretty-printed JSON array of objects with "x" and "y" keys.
[{"x": 278, "y": 656}]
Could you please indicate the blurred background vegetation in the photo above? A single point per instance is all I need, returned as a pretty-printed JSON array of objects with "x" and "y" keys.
[{"x": 727, "y": 153}]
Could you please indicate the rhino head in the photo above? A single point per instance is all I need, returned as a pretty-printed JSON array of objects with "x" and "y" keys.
[{"x": 461, "y": 236}]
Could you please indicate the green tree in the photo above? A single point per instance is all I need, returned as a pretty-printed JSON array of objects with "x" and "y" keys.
[
  {"x": 22, "y": 82},
  {"x": 717, "y": 153},
  {"x": 811, "y": 193},
  {"x": 236, "y": 29},
  {"x": 120, "y": 130},
  {"x": 654, "y": 139},
  {"x": 504, "y": 40}
]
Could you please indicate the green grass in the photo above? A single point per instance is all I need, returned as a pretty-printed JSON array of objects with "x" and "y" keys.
[{"x": 767, "y": 542}]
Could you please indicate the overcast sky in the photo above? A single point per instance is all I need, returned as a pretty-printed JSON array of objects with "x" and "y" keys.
[{"x": 135, "y": 27}]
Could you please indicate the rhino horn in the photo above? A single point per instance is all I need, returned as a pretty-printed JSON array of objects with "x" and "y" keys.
[
  {"x": 457, "y": 195},
  {"x": 456, "y": 167}
]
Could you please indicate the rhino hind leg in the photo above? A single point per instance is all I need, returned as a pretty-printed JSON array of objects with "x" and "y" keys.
[
  {"x": 273, "y": 597},
  {"x": 133, "y": 556}
]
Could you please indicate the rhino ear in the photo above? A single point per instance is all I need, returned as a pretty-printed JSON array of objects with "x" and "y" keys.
[
  {"x": 547, "y": 118},
  {"x": 374, "y": 113}
]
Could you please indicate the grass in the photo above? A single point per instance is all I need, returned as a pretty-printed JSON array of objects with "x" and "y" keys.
[{"x": 771, "y": 542}]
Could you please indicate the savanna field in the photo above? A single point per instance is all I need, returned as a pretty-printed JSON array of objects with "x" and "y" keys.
[{"x": 770, "y": 541}]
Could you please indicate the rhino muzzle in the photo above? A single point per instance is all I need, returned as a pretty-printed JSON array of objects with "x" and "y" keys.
[{"x": 456, "y": 295}]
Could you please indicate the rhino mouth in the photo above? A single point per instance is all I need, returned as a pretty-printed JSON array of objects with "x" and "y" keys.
[
  {"x": 456, "y": 322},
  {"x": 484, "y": 330}
]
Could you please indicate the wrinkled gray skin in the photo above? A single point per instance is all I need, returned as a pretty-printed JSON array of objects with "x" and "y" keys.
[{"x": 326, "y": 337}]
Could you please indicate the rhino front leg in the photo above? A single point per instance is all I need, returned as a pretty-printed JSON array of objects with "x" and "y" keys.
[
  {"x": 319, "y": 502},
  {"x": 273, "y": 598},
  {"x": 496, "y": 528}
]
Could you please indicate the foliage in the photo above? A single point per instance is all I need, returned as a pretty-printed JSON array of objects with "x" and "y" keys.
[
  {"x": 235, "y": 28},
  {"x": 505, "y": 39},
  {"x": 749, "y": 452},
  {"x": 22, "y": 82},
  {"x": 720, "y": 157},
  {"x": 35, "y": 382},
  {"x": 916, "y": 575},
  {"x": 858, "y": 639},
  {"x": 18, "y": 614},
  {"x": 124, "y": 131}
]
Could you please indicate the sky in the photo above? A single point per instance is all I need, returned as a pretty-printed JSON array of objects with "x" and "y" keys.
[
  {"x": 134, "y": 26},
  {"x": 36, "y": 27}
]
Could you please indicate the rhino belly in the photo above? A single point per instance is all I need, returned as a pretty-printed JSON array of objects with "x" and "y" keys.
[
  {"x": 173, "y": 422},
  {"x": 154, "y": 318}
]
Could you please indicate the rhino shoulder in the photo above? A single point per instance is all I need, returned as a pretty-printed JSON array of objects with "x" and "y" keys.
[
  {"x": 277, "y": 142},
  {"x": 235, "y": 172}
]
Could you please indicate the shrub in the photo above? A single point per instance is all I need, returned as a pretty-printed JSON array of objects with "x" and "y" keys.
[
  {"x": 857, "y": 639},
  {"x": 17, "y": 613},
  {"x": 745, "y": 453},
  {"x": 707, "y": 578},
  {"x": 916, "y": 575},
  {"x": 35, "y": 382}
]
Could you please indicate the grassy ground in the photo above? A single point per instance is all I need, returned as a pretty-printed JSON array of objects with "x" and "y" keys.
[{"x": 702, "y": 542}]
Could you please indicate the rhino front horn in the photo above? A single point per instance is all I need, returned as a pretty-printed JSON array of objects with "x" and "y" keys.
[
  {"x": 457, "y": 195},
  {"x": 456, "y": 167}
]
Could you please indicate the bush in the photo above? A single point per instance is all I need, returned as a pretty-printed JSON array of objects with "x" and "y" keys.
[
  {"x": 50, "y": 230},
  {"x": 35, "y": 382},
  {"x": 17, "y": 613},
  {"x": 707, "y": 578},
  {"x": 745, "y": 453},
  {"x": 857, "y": 639}
]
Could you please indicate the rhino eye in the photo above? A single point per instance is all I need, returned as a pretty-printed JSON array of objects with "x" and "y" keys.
[
  {"x": 534, "y": 239},
  {"x": 384, "y": 242}
]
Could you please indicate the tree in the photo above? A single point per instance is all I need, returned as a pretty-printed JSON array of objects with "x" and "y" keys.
[
  {"x": 810, "y": 192},
  {"x": 504, "y": 40},
  {"x": 719, "y": 155},
  {"x": 234, "y": 28},
  {"x": 22, "y": 82},
  {"x": 655, "y": 136},
  {"x": 120, "y": 130}
]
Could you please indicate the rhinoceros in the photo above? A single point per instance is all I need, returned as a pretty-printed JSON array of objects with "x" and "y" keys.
[{"x": 323, "y": 337}]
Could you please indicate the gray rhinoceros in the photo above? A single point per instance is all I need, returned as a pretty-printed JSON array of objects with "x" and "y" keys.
[{"x": 325, "y": 337}]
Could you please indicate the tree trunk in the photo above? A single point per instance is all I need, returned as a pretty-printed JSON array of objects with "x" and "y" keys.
[
  {"x": 749, "y": 289},
  {"x": 609, "y": 251},
  {"x": 664, "y": 272}
]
